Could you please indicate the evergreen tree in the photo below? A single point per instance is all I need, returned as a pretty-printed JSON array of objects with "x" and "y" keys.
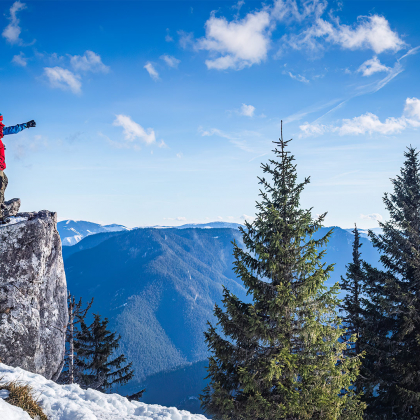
[
  {"x": 352, "y": 302},
  {"x": 96, "y": 345},
  {"x": 280, "y": 356},
  {"x": 393, "y": 304},
  {"x": 77, "y": 314}
]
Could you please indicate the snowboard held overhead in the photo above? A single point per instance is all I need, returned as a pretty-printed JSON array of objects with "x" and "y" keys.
[{"x": 9, "y": 208}]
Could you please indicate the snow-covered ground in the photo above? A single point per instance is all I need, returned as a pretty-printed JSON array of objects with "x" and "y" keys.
[{"x": 70, "y": 402}]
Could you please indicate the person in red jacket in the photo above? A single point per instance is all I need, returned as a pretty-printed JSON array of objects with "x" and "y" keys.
[{"x": 3, "y": 178}]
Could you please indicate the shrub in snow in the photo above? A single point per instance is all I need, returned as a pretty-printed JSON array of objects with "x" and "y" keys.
[{"x": 21, "y": 395}]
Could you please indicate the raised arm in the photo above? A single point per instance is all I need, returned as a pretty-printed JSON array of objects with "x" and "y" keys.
[{"x": 17, "y": 128}]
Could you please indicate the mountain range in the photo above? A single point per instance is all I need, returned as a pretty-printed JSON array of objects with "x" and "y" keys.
[
  {"x": 72, "y": 231},
  {"x": 158, "y": 287}
]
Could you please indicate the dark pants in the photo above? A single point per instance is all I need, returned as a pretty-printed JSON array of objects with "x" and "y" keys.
[{"x": 3, "y": 185}]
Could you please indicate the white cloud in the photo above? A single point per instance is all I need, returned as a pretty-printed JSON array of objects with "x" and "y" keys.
[
  {"x": 298, "y": 77},
  {"x": 373, "y": 216},
  {"x": 179, "y": 155},
  {"x": 89, "y": 61},
  {"x": 170, "y": 60},
  {"x": 12, "y": 31},
  {"x": 372, "y": 66},
  {"x": 371, "y": 32},
  {"x": 214, "y": 131},
  {"x": 181, "y": 219},
  {"x": 151, "y": 70},
  {"x": 133, "y": 131},
  {"x": 369, "y": 123},
  {"x": 412, "y": 108},
  {"x": 63, "y": 79},
  {"x": 236, "y": 44},
  {"x": 20, "y": 60},
  {"x": 313, "y": 129},
  {"x": 247, "y": 110}
]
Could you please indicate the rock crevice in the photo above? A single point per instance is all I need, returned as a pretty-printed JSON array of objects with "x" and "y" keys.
[{"x": 33, "y": 306}]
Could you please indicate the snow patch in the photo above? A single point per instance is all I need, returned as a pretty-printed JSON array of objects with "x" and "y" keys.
[
  {"x": 70, "y": 402},
  {"x": 14, "y": 220},
  {"x": 10, "y": 412}
]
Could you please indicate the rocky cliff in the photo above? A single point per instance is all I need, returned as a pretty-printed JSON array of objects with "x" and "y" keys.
[{"x": 33, "y": 307}]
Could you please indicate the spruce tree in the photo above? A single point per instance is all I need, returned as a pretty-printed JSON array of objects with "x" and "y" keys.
[
  {"x": 95, "y": 345},
  {"x": 393, "y": 315},
  {"x": 352, "y": 284},
  {"x": 280, "y": 356}
]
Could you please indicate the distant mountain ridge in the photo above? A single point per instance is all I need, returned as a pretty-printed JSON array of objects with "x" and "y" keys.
[{"x": 72, "y": 231}]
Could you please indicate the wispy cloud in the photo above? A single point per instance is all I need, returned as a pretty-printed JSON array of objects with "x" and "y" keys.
[
  {"x": 170, "y": 60},
  {"x": 369, "y": 123},
  {"x": 298, "y": 77},
  {"x": 64, "y": 79},
  {"x": 151, "y": 70},
  {"x": 372, "y": 66},
  {"x": 12, "y": 31},
  {"x": 412, "y": 51},
  {"x": 215, "y": 132},
  {"x": 168, "y": 37},
  {"x": 163, "y": 145},
  {"x": 291, "y": 10},
  {"x": 20, "y": 60},
  {"x": 88, "y": 62},
  {"x": 133, "y": 131},
  {"x": 186, "y": 39}
]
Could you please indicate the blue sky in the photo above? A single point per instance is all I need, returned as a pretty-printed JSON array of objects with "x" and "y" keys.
[{"x": 161, "y": 112}]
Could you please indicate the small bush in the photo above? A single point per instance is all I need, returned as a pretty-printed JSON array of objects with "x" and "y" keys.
[{"x": 21, "y": 395}]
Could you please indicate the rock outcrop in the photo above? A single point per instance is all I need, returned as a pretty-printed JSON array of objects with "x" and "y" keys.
[
  {"x": 33, "y": 306},
  {"x": 12, "y": 207}
]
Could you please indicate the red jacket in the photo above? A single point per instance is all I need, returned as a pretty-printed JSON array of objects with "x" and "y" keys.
[{"x": 2, "y": 157}]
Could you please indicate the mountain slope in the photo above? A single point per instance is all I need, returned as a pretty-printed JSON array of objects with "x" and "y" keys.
[{"x": 158, "y": 287}]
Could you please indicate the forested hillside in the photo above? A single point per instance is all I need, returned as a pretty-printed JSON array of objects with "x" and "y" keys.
[{"x": 158, "y": 287}]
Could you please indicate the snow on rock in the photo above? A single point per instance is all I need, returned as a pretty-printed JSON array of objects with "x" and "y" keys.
[
  {"x": 70, "y": 402},
  {"x": 33, "y": 301}
]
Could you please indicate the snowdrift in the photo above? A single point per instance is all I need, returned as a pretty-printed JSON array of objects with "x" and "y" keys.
[{"x": 70, "y": 402}]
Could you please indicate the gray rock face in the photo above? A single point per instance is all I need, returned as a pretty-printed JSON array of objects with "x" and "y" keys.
[
  {"x": 33, "y": 306},
  {"x": 12, "y": 207}
]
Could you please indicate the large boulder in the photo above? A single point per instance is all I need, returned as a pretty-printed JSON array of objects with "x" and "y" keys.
[{"x": 33, "y": 305}]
